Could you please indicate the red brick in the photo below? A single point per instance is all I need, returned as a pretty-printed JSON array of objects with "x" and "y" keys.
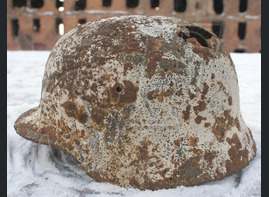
[{"x": 199, "y": 11}]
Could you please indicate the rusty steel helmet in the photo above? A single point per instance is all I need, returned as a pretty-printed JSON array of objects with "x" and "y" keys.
[{"x": 148, "y": 102}]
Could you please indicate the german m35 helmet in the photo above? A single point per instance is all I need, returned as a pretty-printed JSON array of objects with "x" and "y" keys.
[{"x": 143, "y": 102}]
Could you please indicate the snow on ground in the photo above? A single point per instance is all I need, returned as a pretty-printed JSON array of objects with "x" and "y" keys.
[{"x": 39, "y": 170}]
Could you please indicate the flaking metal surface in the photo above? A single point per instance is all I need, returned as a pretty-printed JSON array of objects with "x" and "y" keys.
[{"x": 144, "y": 102}]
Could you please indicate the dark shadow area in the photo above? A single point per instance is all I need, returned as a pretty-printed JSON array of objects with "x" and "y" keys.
[
  {"x": 154, "y": 3},
  {"x": 59, "y": 4},
  {"x": 243, "y": 5},
  {"x": 239, "y": 51},
  {"x": 58, "y": 21},
  {"x": 106, "y": 3},
  {"x": 218, "y": 6},
  {"x": 82, "y": 21},
  {"x": 132, "y": 3},
  {"x": 80, "y": 4},
  {"x": 200, "y": 34},
  {"x": 19, "y": 3},
  {"x": 180, "y": 5},
  {"x": 37, "y": 3},
  {"x": 15, "y": 27},
  {"x": 217, "y": 28},
  {"x": 242, "y": 26},
  {"x": 36, "y": 22}
]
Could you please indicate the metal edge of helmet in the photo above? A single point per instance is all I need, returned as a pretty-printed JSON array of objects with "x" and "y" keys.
[{"x": 148, "y": 102}]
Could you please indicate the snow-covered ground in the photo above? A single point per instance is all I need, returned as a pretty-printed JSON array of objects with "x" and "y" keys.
[{"x": 39, "y": 170}]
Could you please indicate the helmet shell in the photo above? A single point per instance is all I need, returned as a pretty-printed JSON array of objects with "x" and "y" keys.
[{"x": 142, "y": 101}]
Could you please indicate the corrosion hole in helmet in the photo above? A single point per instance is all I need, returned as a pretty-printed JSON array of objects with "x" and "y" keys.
[
  {"x": 119, "y": 89},
  {"x": 171, "y": 179},
  {"x": 200, "y": 34}
]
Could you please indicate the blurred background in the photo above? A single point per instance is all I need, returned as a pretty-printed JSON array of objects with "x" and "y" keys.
[{"x": 38, "y": 24}]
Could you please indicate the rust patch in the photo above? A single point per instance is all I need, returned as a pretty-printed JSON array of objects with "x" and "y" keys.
[
  {"x": 199, "y": 119},
  {"x": 190, "y": 170},
  {"x": 209, "y": 156},
  {"x": 237, "y": 124},
  {"x": 142, "y": 152},
  {"x": 178, "y": 142},
  {"x": 152, "y": 94},
  {"x": 212, "y": 76},
  {"x": 134, "y": 182},
  {"x": 186, "y": 113},
  {"x": 168, "y": 93},
  {"x": 70, "y": 108},
  {"x": 185, "y": 174},
  {"x": 82, "y": 117},
  {"x": 230, "y": 100},
  {"x": 200, "y": 107},
  {"x": 193, "y": 140},
  {"x": 204, "y": 53},
  {"x": 207, "y": 124},
  {"x": 154, "y": 55},
  {"x": 222, "y": 125},
  {"x": 159, "y": 95},
  {"x": 72, "y": 111},
  {"x": 164, "y": 94},
  {"x": 179, "y": 92},
  {"x": 191, "y": 95},
  {"x": 110, "y": 135},
  {"x": 50, "y": 131},
  {"x": 254, "y": 148},
  {"x": 205, "y": 89},
  {"x": 98, "y": 115},
  {"x": 173, "y": 66},
  {"x": 219, "y": 129},
  {"x": 238, "y": 156},
  {"x": 127, "y": 66},
  {"x": 151, "y": 68}
]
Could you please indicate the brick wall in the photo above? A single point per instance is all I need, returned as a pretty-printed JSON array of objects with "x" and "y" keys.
[{"x": 34, "y": 24}]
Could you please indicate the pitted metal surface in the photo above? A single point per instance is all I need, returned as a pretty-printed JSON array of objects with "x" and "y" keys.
[{"x": 144, "y": 102}]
